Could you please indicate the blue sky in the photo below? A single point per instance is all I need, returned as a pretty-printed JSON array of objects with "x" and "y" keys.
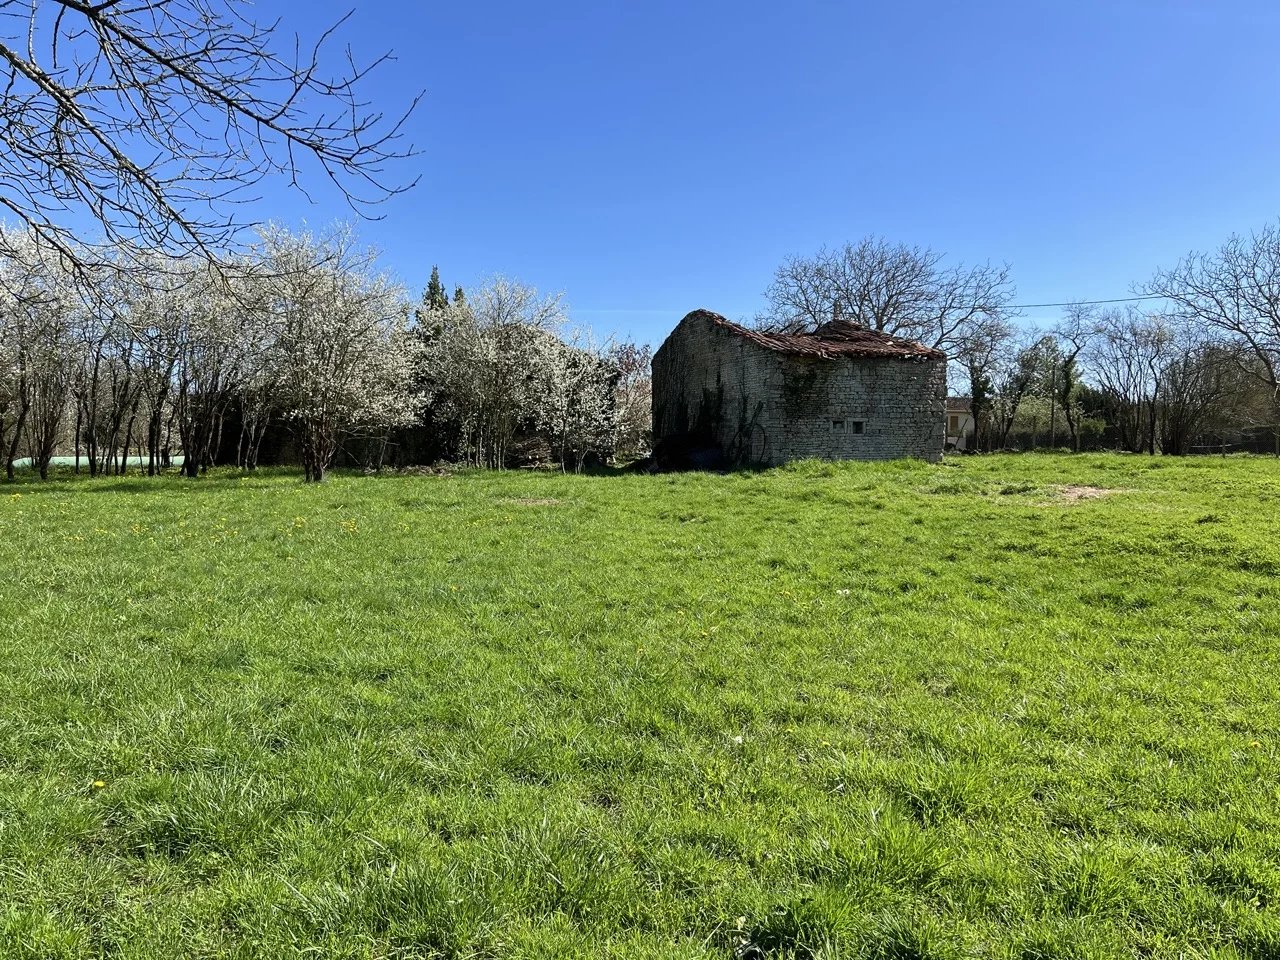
[{"x": 647, "y": 158}]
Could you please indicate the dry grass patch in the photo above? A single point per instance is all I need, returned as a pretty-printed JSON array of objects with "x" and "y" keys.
[{"x": 1074, "y": 493}]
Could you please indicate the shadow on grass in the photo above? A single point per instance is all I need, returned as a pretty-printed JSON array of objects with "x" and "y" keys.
[{"x": 27, "y": 481}]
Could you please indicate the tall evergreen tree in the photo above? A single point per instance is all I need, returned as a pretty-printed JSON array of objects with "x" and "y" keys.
[
  {"x": 435, "y": 298},
  {"x": 459, "y": 298}
]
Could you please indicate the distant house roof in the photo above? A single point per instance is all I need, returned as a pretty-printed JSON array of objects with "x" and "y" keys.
[
  {"x": 836, "y": 338},
  {"x": 958, "y": 404}
]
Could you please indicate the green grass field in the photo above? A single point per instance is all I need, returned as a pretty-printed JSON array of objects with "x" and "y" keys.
[{"x": 886, "y": 711}]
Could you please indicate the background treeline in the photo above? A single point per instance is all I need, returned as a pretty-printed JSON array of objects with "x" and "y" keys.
[
  {"x": 1191, "y": 364},
  {"x": 301, "y": 351},
  {"x": 1119, "y": 379}
]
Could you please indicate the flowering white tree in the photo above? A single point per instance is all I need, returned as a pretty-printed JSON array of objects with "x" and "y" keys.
[
  {"x": 14, "y": 396},
  {"x": 304, "y": 329},
  {"x": 9, "y": 392},
  {"x": 51, "y": 360},
  {"x": 223, "y": 333},
  {"x": 259, "y": 387},
  {"x": 489, "y": 361},
  {"x": 151, "y": 312},
  {"x": 342, "y": 342},
  {"x": 577, "y": 407},
  {"x": 39, "y": 352},
  {"x": 633, "y": 398}
]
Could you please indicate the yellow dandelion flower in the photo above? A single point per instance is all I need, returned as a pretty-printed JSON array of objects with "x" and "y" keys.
[{"x": 99, "y": 784}]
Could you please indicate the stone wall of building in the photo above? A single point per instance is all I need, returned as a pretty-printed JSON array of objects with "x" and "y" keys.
[{"x": 715, "y": 387}]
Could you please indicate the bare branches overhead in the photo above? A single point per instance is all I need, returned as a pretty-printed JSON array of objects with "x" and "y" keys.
[
  {"x": 894, "y": 288},
  {"x": 1234, "y": 292},
  {"x": 150, "y": 122}
]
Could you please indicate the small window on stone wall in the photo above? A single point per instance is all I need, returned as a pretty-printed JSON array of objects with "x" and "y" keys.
[
  {"x": 856, "y": 426},
  {"x": 837, "y": 426}
]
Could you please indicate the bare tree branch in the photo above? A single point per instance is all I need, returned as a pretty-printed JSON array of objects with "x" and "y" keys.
[
  {"x": 898, "y": 289},
  {"x": 156, "y": 119},
  {"x": 1235, "y": 293}
]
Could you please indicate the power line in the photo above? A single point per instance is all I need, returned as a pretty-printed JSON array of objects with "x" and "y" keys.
[
  {"x": 1012, "y": 306},
  {"x": 1261, "y": 290},
  {"x": 1086, "y": 303}
]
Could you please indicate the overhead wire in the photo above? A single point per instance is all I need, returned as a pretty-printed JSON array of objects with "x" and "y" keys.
[{"x": 1087, "y": 303}]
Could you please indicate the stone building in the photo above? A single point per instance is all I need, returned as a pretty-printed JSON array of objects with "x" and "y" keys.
[{"x": 723, "y": 394}]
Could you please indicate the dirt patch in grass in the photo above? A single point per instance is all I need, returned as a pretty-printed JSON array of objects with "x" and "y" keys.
[
  {"x": 532, "y": 501},
  {"x": 1019, "y": 490},
  {"x": 1072, "y": 493}
]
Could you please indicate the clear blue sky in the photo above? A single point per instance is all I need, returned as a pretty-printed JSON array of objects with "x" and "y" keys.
[{"x": 647, "y": 158}]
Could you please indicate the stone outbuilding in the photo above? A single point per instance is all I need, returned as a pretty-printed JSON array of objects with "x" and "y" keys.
[{"x": 725, "y": 394}]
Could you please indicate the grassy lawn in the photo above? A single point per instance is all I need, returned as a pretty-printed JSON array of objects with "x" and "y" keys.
[{"x": 890, "y": 710}]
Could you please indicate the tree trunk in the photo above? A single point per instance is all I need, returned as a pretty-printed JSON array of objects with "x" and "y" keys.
[
  {"x": 128, "y": 439},
  {"x": 12, "y": 453},
  {"x": 76, "y": 442},
  {"x": 255, "y": 446}
]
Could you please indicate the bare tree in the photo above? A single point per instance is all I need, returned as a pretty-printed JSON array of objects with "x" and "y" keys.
[
  {"x": 894, "y": 288},
  {"x": 155, "y": 117},
  {"x": 1016, "y": 373},
  {"x": 1128, "y": 360},
  {"x": 1204, "y": 382},
  {"x": 983, "y": 356},
  {"x": 1077, "y": 330},
  {"x": 1234, "y": 292}
]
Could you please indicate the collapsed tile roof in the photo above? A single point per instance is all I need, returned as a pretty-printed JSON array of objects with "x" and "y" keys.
[{"x": 836, "y": 338}]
